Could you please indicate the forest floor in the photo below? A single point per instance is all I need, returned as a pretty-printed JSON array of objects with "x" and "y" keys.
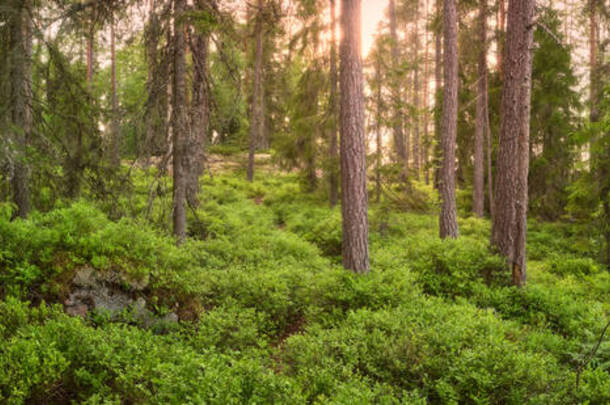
[{"x": 255, "y": 307}]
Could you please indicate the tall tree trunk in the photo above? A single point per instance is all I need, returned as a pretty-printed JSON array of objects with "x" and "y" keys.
[
  {"x": 378, "y": 142},
  {"x": 478, "y": 198},
  {"x": 256, "y": 119},
  {"x": 354, "y": 199},
  {"x": 448, "y": 216},
  {"x": 21, "y": 106},
  {"x": 397, "y": 124},
  {"x": 501, "y": 26},
  {"x": 426, "y": 106},
  {"x": 489, "y": 143},
  {"x": 199, "y": 117},
  {"x": 179, "y": 123},
  {"x": 593, "y": 46},
  {"x": 509, "y": 223},
  {"x": 438, "y": 82},
  {"x": 115, "y": 146},
  {"x": 334, "y": 109},
  {"x": 416, "y": 140}
]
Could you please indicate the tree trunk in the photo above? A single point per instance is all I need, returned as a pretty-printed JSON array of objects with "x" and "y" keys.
[
  {"x": 21, "y": 106},
  {"x": 115, "y": 146},
  {"x": 509, "y": 222},
  {"x": 501, "y": 36},
  {"x": 256, "y": 119},
  {"x": 199, "y": 117},
  {"x": 426, "y": 112},
  {"x": 478, "y": 197},
  {"x": 416, "y": 140},
  {"x": 438, "y": 83},
  {"x": 448, "y": 216},
  {"x": 334, "y": 109},
  {"x": 354, "y": 197},
  {"x": 488, "y": 138},
  {"x": 378, "y": 142},
  {"x": 179, "y": 123},
  {"x": 593, "y": 46},
  {"x": 399, "y": 141}
]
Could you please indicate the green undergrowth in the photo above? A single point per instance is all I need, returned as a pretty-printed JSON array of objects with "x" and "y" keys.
[{"x": 269, "y": 316}]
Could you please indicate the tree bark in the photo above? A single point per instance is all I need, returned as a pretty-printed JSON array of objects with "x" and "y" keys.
[
  {"x": 199, "y": 117},
  {"x": 501, "y": 36},
  {"x": 448, "y": 216},
  {"x": 416, "y": 140},
  {"x": 334, "y": 109},
  {"x": 509, "y": 223},
  {"x": 256, "y": 119},
  {"x": 378, "y": 142},
  {"x": 438, "y": 83},
  {"x": 21, "y": 102},
  {"x": 478, "y": 197},
  {"x": 397, "y": 125},
  {"x": 426, "y": 111},
  {"x": 115, "y": 145},
  {"x": 179, "y": 123},
  {"x": 354, "y": 199}
]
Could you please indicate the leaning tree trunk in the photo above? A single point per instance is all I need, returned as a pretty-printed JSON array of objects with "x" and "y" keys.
[
  {"x": 199, "y": 117},
  {"x": 478, "y": 197},
  {"x": 397, "y": 125},
  {"x": 509, "y": 223},
  {"x": 256, "y": 119},
  {"x": 354, "y": 199},
  {"x": 115, "y": 140},
  {"x": 21, "y": 106},
  {"x": 334, "y": 110},
  {"x": 448, "y": 216},
  {"x": 179, "y": 123}
]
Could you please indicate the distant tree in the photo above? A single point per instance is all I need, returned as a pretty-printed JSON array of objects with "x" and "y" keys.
[
  {"x": 179, "y": 122},
  {"x": 448, "y": 215},
  {"x": 257, "y": 112},
  {"x": 354, "y": 199},
  {"x": 334, "y": 108},
  {"x": 20, "y": 106},
  {"x": 478, "y": 199},
  {"x": 400, "y": 148}
]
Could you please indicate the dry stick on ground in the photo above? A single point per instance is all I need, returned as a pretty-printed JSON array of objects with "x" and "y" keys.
[{"x": 592, "y": 354}]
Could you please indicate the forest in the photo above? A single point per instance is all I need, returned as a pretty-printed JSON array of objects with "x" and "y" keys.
[{"x": 305, "y": 202}]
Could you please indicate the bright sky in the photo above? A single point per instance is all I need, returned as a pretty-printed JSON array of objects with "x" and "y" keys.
[{"x": 372, "y": 12}]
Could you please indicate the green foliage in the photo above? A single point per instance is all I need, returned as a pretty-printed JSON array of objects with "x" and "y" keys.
[{"x": 268, "y": 316}]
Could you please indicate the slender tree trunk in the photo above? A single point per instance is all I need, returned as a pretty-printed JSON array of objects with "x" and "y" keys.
[
  {"x": 426, "y": 112},
  {"x": 256, "y": 120},
  {"x": 593, "y": 46},
  {"x": 199, "y": 117},
  {"x": 509, "y": 222},
  {"x": 354, "y": 199},
  {"x": 21, "y": 106},
  {"x": 399, "y": 141},
  {"x": 334, "y": 109},
  {"x": 115, "y": 146},
  {"x": 478, "y": 201},
  {"x": 438, "y": 83},
  {"x": 501, "y": 36},
  {"x": 489, "y": 142},
  {"x": 378, "y": 142},
  {"x": 179, "y": 123},
  {"x": 448, "y": 216},
  {"x": 416, "y": 140}
]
